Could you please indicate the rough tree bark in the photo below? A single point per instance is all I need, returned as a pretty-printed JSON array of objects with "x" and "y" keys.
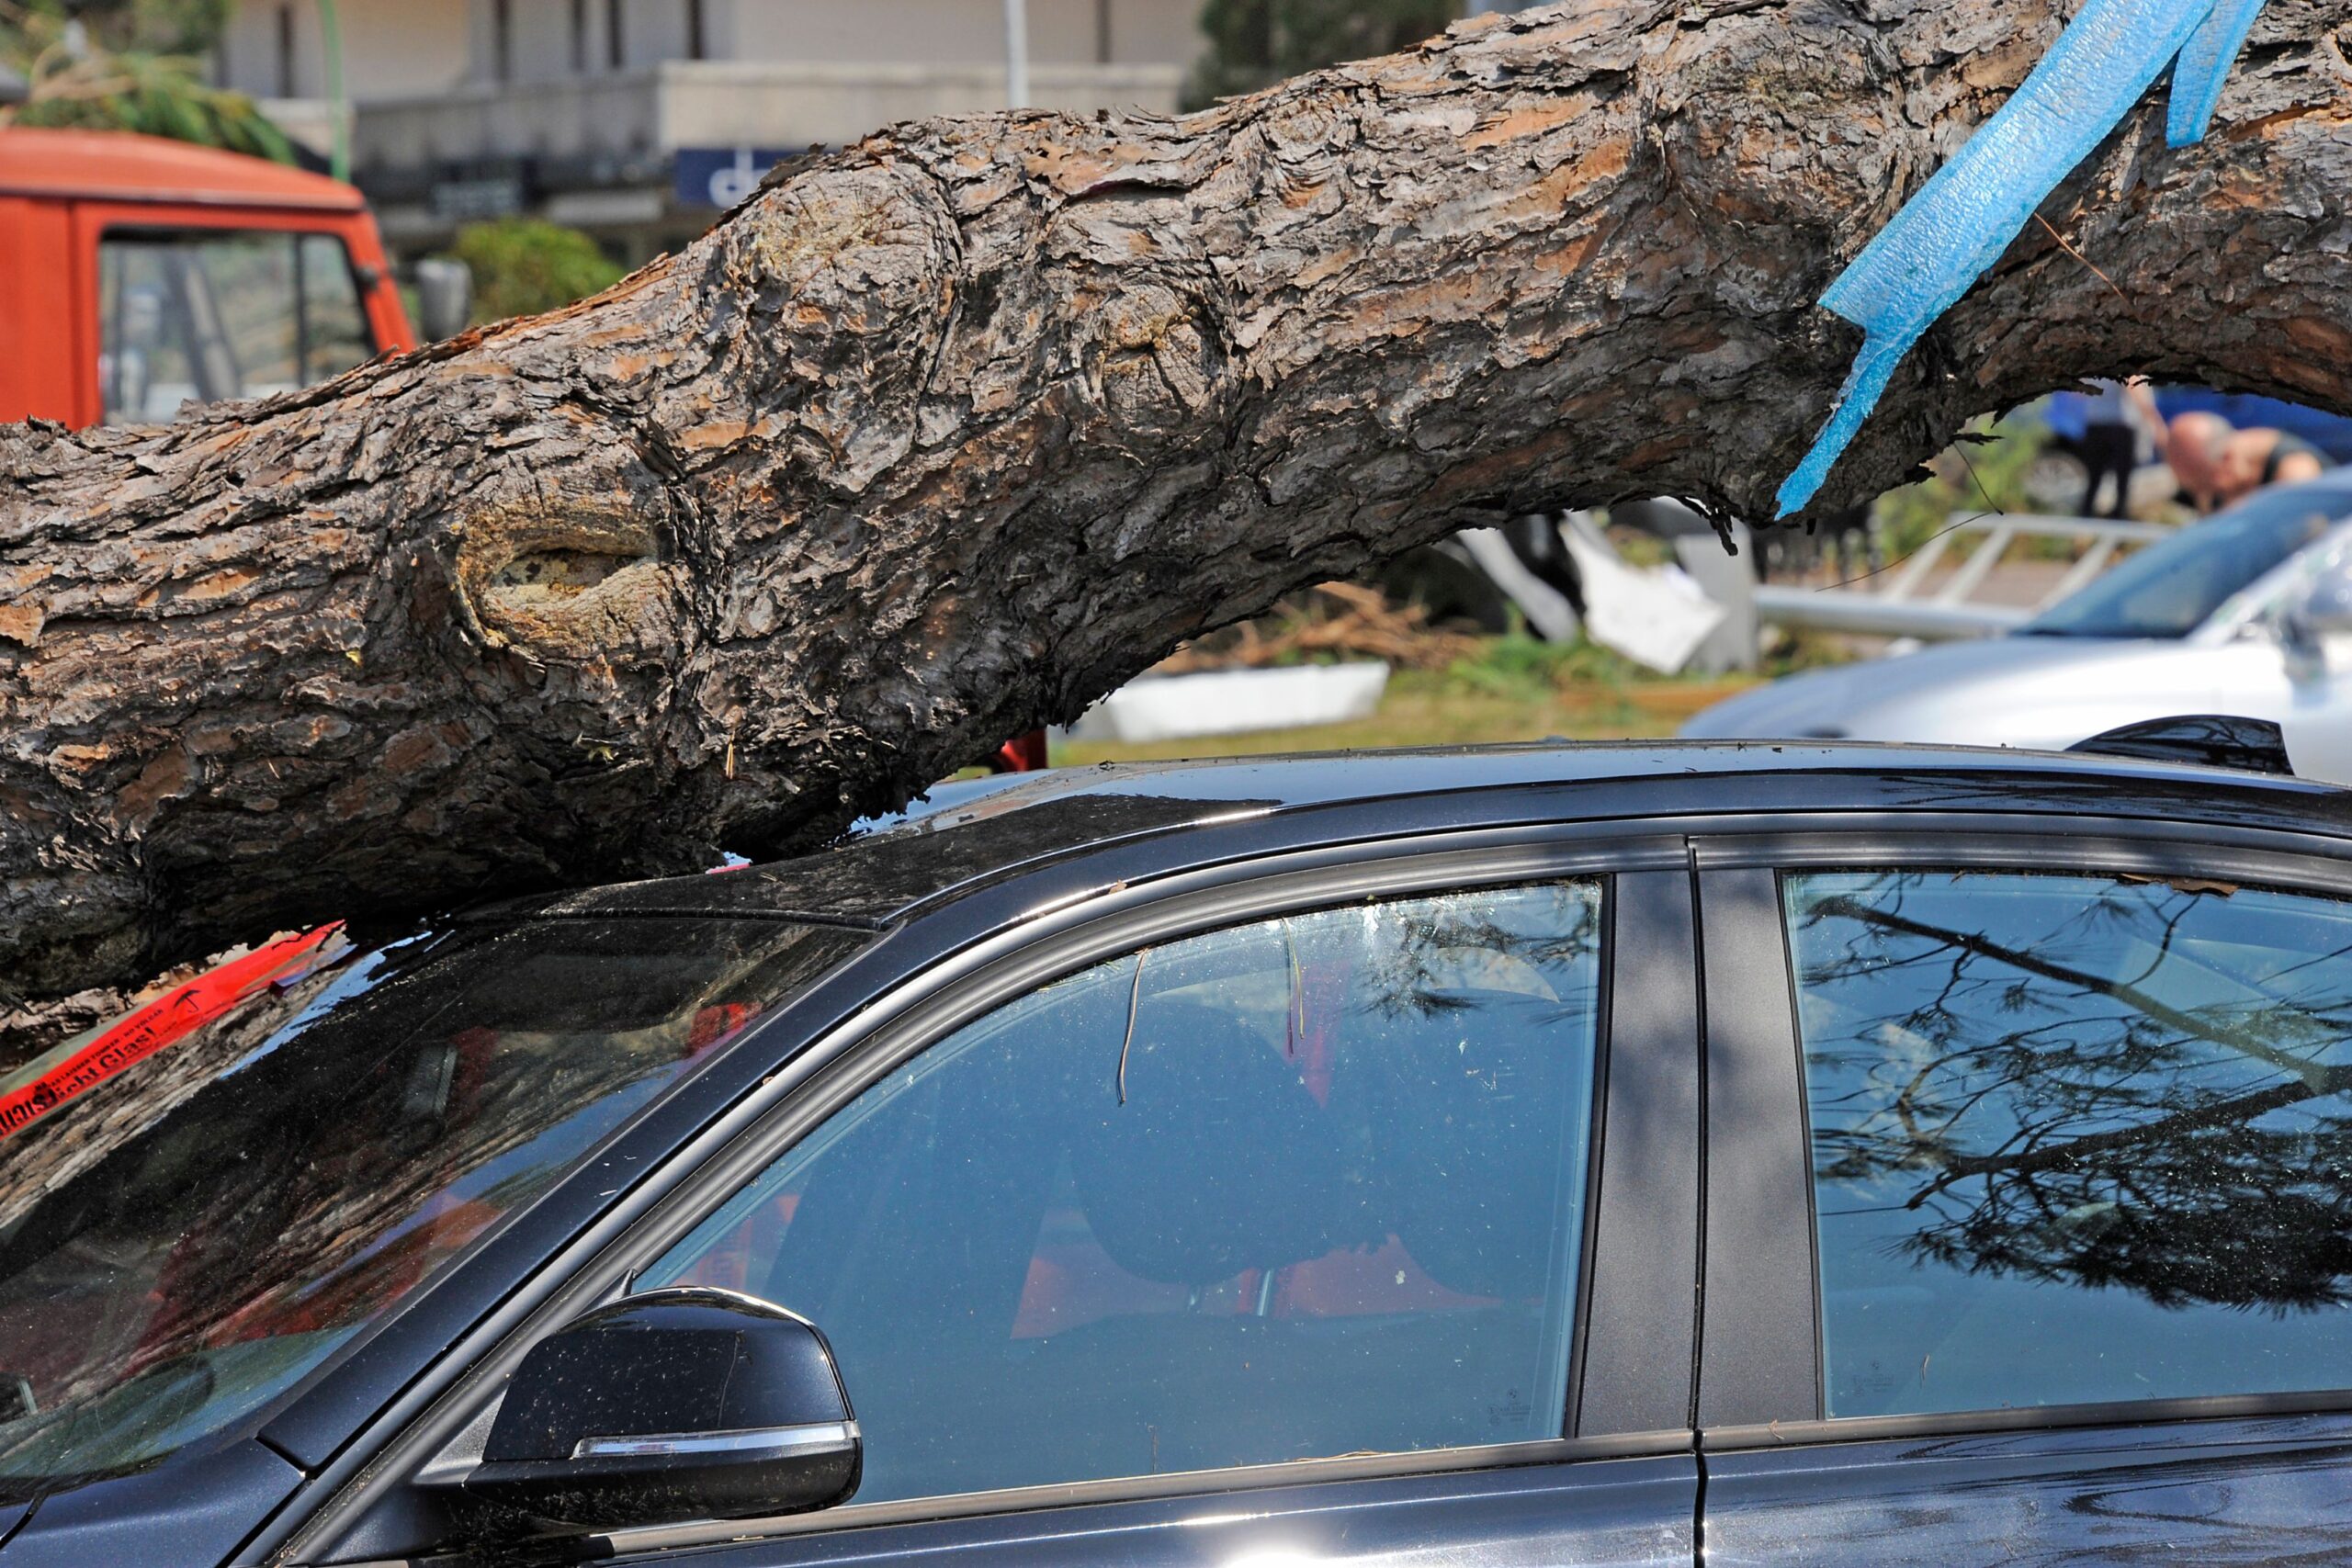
[{"x": 947, "y": 434}]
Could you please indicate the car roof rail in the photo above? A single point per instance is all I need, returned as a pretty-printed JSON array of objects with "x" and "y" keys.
[{"x": 2215, "y": 739}]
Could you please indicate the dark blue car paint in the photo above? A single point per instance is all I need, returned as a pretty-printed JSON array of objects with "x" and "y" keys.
[
  {"x": 2246, "y": 1493},
  {"x": 198, "y": 1507},
  {"x": 952, "y": 891}
]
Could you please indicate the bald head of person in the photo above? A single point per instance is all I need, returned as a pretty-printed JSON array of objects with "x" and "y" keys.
[{"x": 2194, "y": 446}]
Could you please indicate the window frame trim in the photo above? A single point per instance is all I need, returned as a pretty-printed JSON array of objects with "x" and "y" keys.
[
  {"x": 1173, "y": 1485},
  {"x": 1769, "y": 1340},
  {"x": 2253, "y": 859},
  {"x": 926, "y": 1006},
  {"x": 2029, "y": 1418}
]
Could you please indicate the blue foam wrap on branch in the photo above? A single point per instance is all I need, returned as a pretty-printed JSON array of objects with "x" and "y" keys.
[
  {"x": 1951, "y": 233},
  {"x": 2204, "y": 63}
]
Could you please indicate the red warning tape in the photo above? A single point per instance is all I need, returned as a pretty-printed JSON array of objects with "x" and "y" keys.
[{"x": 171, "y": 1017}]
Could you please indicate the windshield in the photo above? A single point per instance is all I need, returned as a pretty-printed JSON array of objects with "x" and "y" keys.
[
  {"x": 2174, "y": 586},
  {"x": 187, "y": 1238}
]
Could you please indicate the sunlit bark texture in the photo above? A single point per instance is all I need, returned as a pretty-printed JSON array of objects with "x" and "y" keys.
[{"x": 946, "y": 433}]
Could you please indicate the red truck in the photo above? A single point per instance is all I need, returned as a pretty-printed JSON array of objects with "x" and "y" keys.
[{"x": 138, "y": 274}]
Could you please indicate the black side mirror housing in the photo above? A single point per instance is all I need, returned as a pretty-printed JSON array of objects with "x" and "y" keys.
[{"x": 665, "y": 1408}]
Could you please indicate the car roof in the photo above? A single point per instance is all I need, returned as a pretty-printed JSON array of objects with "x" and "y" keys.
[
  {"x": 977, "y": 838},
  {"x": 121, "y": 165}
]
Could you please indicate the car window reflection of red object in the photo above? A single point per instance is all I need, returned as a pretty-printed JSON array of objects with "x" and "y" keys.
[
  {"x": 165, "y": 1021},
  {"x": 713, "y": 1024},
  {"x": 1024, "y": 753}
]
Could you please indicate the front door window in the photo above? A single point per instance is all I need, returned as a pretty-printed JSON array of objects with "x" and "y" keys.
[{"x": 1302, "y": 1187}]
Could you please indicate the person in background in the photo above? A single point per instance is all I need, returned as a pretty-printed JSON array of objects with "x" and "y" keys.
[
  {"x": 2121, "y": 430},
  {"x": 2253, "y": 459},
  {"x": 2193, "y": 447}
]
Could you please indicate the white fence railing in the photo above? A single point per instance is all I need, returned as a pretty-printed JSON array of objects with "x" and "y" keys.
[{"x": 1900, "y": 609}]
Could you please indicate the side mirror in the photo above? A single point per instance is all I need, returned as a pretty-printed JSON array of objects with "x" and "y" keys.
[
  {"x": 2324, "y": 609},
  {"x": 445, "y": 298},
  {"x": 2315, "y": 627},
  {"x": 665, "y": 1408}
]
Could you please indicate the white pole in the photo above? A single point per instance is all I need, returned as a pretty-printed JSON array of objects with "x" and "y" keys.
[{"x": 1016, "y": 55}]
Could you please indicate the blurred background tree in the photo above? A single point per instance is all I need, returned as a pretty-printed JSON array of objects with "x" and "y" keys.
[
  {"x": 129, "y": 65},
  {"x": 1253, "y": 43},
  {"x": 184, "y": 27},
  {"x": 524, "y": 265}
]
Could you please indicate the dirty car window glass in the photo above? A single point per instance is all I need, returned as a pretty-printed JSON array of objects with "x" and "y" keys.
[
  {"x": 187, "y": 1238},
  {"x": 2075, "y": 1139},
  {"x": 1302, "y": 1187}
]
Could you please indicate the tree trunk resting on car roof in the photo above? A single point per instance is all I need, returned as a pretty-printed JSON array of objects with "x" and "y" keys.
[{"x": 947, "y": 434}]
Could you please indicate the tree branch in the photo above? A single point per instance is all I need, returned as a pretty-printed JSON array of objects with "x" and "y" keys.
[{"x": 947, "y": 434}]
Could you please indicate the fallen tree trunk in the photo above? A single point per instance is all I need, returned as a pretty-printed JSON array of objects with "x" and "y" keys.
[{"x": 948, "y": 433}]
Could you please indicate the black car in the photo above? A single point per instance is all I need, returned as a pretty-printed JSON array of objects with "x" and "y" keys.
[{"x": 1546, "y": 1155}]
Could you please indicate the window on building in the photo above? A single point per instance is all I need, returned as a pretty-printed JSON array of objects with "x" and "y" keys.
[
  {"x": 502, "y": 41},
  {"x": 579, "y": 38},
  {"x": 286, "y": 50},
  {"x": 1307, "y": 1187},
  {"x": 616, "y": 35},
  {"x": 2075, "y": 1139},
  {"x": 697, "y": 37}
]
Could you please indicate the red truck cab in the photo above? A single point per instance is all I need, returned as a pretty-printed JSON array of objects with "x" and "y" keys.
[{"x": 138, "y": 274}]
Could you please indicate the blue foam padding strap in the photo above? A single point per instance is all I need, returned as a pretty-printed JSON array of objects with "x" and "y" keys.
[
  {"x": 2205, "y": 62},
  {"x": 1951, "y": 233},
  {"x": 1873, "y": 368}
]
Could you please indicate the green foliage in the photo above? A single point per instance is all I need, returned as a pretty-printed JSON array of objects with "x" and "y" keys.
[
  {"x": 155, "y": 96},
  {"x": 524, "y": 265},
  {"x": 1525, "y": 668},
  {"x": 130, "y": 66},
  {"x": 1983, "y": 472},
  {"x": 1253, "y": 43}
]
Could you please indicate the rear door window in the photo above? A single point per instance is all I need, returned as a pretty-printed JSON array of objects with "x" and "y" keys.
[
  {"x": 2075, "y": 1139},
  {"x": 1302, "y": 1187}
]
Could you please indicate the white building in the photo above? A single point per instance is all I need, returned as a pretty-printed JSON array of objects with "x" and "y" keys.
[{"x": 637, "y": 118}]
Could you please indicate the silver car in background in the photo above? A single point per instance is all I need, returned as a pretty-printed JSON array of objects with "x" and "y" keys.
[{"x": 2248, "y": 613}]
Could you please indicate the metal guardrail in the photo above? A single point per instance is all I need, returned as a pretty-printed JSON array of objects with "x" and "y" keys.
[
  {"x": 1872, "y": 614},
  {"x": 1895, "y": 610}
]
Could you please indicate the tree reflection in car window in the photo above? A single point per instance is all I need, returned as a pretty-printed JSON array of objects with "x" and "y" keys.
[
  {"x": 2075, "y": 1139},
  {"x": 1300, "y": 1188}
]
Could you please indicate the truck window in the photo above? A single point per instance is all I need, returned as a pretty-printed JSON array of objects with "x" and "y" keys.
[{"x": 197, "y": 315}]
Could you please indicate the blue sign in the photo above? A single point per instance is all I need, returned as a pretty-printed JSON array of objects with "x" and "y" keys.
[{"x": 721, "y": 176}]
